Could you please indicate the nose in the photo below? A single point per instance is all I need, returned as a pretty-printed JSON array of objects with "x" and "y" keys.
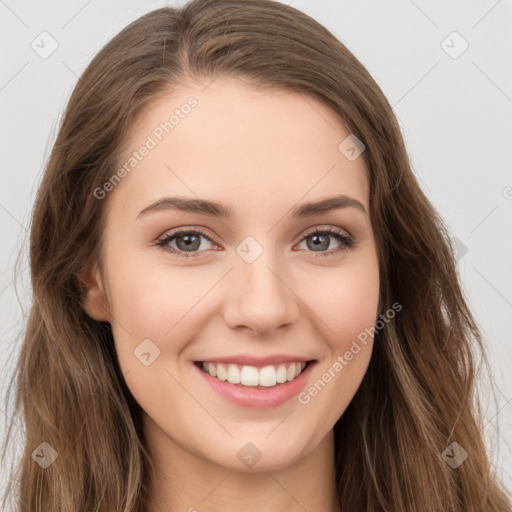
[{"x": 259, "y": 297}]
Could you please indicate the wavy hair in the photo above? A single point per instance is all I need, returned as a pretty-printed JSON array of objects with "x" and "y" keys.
[{"x": 419, "y": 393}]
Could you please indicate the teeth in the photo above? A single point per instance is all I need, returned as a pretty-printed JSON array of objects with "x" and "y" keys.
[
  {"x": 281, "y": 374},
  {"x": 249, "y": 376},
  {"x": 268, "y": 376},
  {"x": 233, "y": 374},
  {"x": 222, "y": 374}
]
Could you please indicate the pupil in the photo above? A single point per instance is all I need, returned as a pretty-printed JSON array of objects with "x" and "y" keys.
[
  {"x": 317, "y": 242},
  {"x": 188, "y": 242}
]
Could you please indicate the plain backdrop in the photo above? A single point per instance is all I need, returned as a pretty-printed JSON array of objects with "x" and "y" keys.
[{"x": 446, "y": 70}]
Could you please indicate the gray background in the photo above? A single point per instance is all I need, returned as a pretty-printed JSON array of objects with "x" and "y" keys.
[{"x": 455, "y": 112}]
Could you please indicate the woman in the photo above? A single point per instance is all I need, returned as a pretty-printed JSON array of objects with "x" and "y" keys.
[{"x": 242, "y": 298}]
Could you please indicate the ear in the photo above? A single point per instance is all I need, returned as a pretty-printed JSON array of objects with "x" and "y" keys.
[{"x": 94, "y": 300}]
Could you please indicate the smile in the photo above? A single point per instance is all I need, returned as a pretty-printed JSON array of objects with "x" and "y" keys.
[
  {"x": 281, "y": 381},
  {"x": 251, "y": 376}
]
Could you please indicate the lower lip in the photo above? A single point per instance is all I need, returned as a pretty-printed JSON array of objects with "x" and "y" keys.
[{"x": 255, "y": 397}]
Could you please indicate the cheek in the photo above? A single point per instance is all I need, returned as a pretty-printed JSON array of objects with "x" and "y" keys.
[
  {"x": 345, "y": 300},
  {"x": 346, "y": 311},
  {"x": 155, "y": 303}
]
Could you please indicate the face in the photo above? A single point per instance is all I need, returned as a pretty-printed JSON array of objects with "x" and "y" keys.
[{"x": 270, "y": 284}]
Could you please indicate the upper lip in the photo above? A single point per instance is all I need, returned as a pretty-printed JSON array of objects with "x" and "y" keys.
[{"x": 248, "y": 360}]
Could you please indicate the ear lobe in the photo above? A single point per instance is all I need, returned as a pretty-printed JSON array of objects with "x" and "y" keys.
[{"x": 94, "y": 300}]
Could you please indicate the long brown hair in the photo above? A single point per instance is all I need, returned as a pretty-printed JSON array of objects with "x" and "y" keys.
[{"x": 419, "y": 393}]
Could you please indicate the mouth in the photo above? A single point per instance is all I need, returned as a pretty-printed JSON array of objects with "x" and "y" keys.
[{"x": 247, "y": 376}]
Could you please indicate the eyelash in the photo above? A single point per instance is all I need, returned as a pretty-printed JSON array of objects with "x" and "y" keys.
[{"x": 347, "y": 242}]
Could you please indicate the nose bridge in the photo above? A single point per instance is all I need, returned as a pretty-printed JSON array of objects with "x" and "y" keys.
[{"x": 260, "y": 297}]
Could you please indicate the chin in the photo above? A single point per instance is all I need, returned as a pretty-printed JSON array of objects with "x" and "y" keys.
[{"x": 259, "y": 453}]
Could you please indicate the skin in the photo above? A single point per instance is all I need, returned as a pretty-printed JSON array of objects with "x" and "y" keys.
[{"x": 260, "y": 152}]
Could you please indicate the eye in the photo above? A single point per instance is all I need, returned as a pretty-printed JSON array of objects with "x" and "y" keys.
[
  {"x": 188, "y": 241},
  {"x": 320, "y": 240}
]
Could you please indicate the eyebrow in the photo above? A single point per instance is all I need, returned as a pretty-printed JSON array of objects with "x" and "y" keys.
[{"x": 214, "y": 208}]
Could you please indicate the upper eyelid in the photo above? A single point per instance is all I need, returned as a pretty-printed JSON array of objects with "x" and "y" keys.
[
  {"x": 325, "y": 227},
  {"x": 200, "y": 231}
]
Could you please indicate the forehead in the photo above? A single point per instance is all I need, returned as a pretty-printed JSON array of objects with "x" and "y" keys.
[{"x": 256, "y": 146}]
